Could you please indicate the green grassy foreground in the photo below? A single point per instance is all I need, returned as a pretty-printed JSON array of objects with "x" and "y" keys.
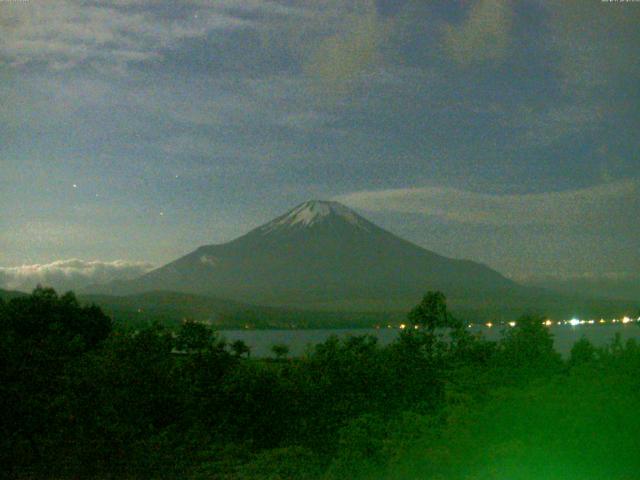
[{"x": 80, "y": 399}]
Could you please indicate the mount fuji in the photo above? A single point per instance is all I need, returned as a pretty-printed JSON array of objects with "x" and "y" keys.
[{"x": 321, "y": 255}]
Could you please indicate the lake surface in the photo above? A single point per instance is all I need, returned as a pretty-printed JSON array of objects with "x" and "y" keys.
[{"x": 261, "y": 341}]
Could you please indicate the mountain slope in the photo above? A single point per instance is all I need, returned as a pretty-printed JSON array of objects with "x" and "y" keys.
[
  {"x": 320, "y": 254},
  {"x": 172, "y": 307},
  {"x": 7, "y": 295},
  {"x": 623, "y": 289}
]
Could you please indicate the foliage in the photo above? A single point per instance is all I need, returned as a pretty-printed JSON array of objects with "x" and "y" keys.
[
  {"x": 580, "y": 425},
  {"x": 582, "y": 352},
  {"x": 280, "y": 350},
  {"x": 193, "y": 336},
  {"x": 42, "y": 335},
  {"x": 82, "y": 400},
  {"x": 239, "y": 348},
  {"x": 529, "y": 346},
  {"x": 432, "y": 313}
]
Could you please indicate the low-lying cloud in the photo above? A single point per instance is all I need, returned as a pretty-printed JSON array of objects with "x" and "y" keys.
[
  {"x": 72, "y": 274},
  {"x": 564, "y": 208}
]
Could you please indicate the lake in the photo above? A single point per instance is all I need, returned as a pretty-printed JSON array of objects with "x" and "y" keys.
[{"x": 564, "y": 336}]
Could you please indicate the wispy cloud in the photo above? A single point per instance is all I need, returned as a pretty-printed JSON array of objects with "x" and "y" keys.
[
  {"x": 550, "y": 124},
  {"x": 339, "y": 60},
  {"x": 69, "y": 274},
  {"x": 64, "y": 34},
  {"x": 572, "y": 207}
]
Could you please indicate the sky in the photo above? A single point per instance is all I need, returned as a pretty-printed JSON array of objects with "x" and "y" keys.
[{"x": 503, "y": 131}]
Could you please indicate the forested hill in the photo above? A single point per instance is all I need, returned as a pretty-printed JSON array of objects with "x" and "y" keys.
[
  {"x": 171, "y": 308},
  {"x": 9, "y": 294}
]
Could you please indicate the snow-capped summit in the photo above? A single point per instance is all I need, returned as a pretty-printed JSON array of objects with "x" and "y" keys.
[
  {"x": 314, "y": 212},
  {"x": 320, "y": 254}
]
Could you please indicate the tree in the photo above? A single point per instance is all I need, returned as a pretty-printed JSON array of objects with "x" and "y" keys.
[
  {"x": 529, "y": 344},
  {"x": 42, "y": 335},
  {"x": 121, "y": 397},
  {"x": 280, "y": 350},
  {"x": 194, "y": 336},
  {"x": 45, "y": 318},
  {"x": 582, "y": 351},
  {"x": 239, "y": 348},
  {"x": 432, "y": 313}
]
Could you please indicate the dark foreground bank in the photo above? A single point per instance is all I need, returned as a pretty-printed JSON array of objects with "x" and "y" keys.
[{"x": 80, "y": 399}]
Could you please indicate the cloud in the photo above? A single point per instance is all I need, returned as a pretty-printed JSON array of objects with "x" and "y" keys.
[
  {"x": 338, "y": 60},
  {"x": 550, "y": 124},
  {"x": 64, "y": 34},
  {"x": 573, "y": 207},
  {"x": 596, "y": 42},
  {"x": 484, "y": 34},
  {"x": 69, "y": 274}
]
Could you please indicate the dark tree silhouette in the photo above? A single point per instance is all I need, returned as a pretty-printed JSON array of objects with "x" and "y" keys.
[
  {"x": 193, "y": 336},
  {"x": 45, "y": 317},
  {"x": 529, "y": 345},
  {"x": 280, "y": 350},
  {"x": 432, "y": 312},
  {"x": 239, "y": 348},
  {"x": 582, "y": 351},
  {"x": 42, "y": 334}
]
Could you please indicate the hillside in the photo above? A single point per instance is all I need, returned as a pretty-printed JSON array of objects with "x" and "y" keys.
[
  {"x": 322, "y": 255},
  {"x": 173, "y": 307},
  {"x": 9, "y": 294}
]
